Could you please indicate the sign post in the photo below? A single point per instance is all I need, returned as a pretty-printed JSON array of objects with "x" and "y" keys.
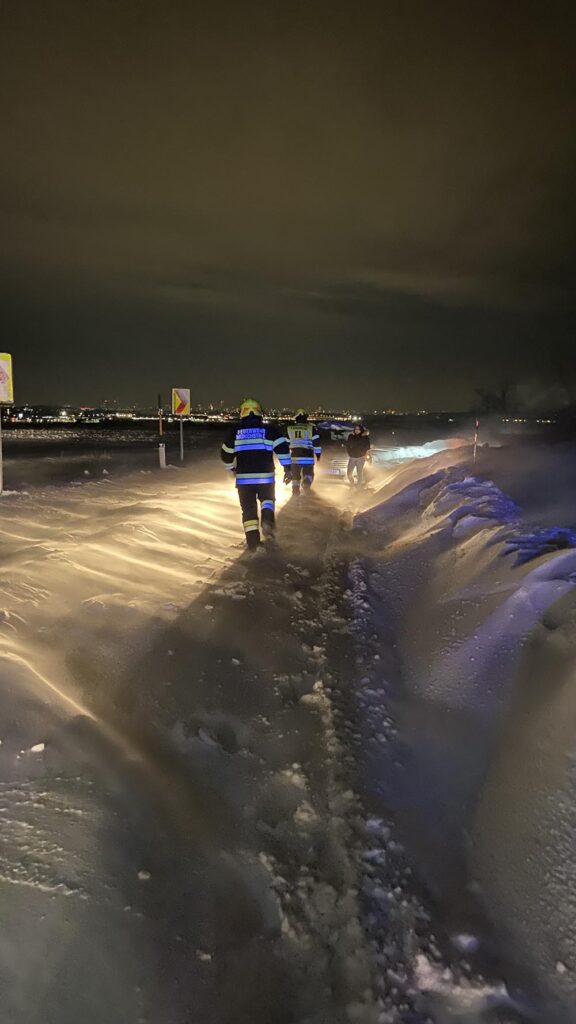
[
  {"x": 181, "y": 408},
  {"x": 161, "y": 445},
  {"x": 6, "y": 398}
]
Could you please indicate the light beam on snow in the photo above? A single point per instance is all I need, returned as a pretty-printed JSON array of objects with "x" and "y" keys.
[
  {"x": 45, "y": 684},
  {"x": 118, "y": 550},
  {"x": 407, "y": 453}
]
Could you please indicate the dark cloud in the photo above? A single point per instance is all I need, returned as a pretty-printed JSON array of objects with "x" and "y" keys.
[{"x": 344, "y": 199}]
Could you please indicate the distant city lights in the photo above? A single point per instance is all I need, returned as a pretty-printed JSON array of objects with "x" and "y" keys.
[{"x": 112, "y": 415}]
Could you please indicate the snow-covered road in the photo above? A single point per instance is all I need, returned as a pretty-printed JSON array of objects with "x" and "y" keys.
[
  {"x": 168, "y": 844},
  {"x": 205, "y": 760},
  {"x": 90, "y": 577}
]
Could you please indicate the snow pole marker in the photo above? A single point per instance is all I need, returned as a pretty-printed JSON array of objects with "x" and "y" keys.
[{"x": 161, "y": 445}]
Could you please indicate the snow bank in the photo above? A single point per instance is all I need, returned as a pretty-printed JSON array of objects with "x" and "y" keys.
[{"x": 466, "y": 694}]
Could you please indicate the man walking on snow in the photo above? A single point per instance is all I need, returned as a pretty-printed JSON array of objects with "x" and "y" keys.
[
  {"x": 248, "y": 451},
  {"x": 358, "y": 448},
  {"x": 305, "y": 450}
]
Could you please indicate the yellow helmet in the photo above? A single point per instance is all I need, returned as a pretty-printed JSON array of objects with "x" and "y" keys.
[{"x": 250, "y": 405}]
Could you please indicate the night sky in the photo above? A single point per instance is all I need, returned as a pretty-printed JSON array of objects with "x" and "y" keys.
[{"x": 314, "y": 202}]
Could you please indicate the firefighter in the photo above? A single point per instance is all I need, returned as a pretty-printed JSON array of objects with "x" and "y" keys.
[
  {"x": 305, "y": 449},
  {"x": 248, "y": 452}
]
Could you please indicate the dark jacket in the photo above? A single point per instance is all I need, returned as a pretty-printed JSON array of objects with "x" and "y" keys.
[
  {"x": 249, "y": 450},
  {"x": 358, "y": 445}
]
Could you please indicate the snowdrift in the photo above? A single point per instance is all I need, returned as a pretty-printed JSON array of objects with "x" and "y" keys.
[{"x": 472, "y": 617}]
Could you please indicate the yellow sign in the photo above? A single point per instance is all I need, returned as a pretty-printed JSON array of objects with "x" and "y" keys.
[
  {"x": 181, "y": 401},
  {"x": 6, "y": 383}
]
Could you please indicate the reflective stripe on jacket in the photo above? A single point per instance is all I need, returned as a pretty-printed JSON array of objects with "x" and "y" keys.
[
  {"x": 249, "y": 450},
  {"x": 304, "y": 441}
]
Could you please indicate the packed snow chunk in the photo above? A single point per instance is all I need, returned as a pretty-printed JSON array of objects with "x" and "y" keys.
[
  {"x": 295, "y": 776},
  {"x": 38, "y": 748},
  {"x": 315, "y": 700},
  {"x": 464, "y": 943},
  {"x": 539, "y": 543},
  {"x": 144, "y": 876},
  {"x": 305, "y": 814},
  {"x": 468, "y": 525},
  {"x": 458, "y": 999},
  {"x": 203, "y": 956},
  {"x": 375, "y": 856}
]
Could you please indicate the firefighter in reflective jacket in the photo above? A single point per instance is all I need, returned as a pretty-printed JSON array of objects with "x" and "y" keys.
[
  {"x": 248, "y": 452},
  {"x": 305, "y": 450}
]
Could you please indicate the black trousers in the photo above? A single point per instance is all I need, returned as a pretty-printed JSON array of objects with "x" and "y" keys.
[
  {"x": 249, "y": 495},
  {"x": 302, "y": 475}
]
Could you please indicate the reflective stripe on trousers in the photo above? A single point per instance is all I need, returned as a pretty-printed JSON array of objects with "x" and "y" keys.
[
  {"x": 304, "y": 474},
  {"x": 249, "y": 496}
]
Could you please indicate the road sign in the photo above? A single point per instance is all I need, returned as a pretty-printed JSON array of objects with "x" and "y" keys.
[
  {"x": 181, "y": 401},
  {"x": 6, "y": 385},
  {"x": 6, "y": 398},
  {"x": 181, "y": 407}
]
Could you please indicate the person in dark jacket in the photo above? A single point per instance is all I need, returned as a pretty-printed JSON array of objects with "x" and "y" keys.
[
  {"x": 358, "y": 448},
  {"x": 248, "y": 451},
  {"x": 305, "y": 450}
]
